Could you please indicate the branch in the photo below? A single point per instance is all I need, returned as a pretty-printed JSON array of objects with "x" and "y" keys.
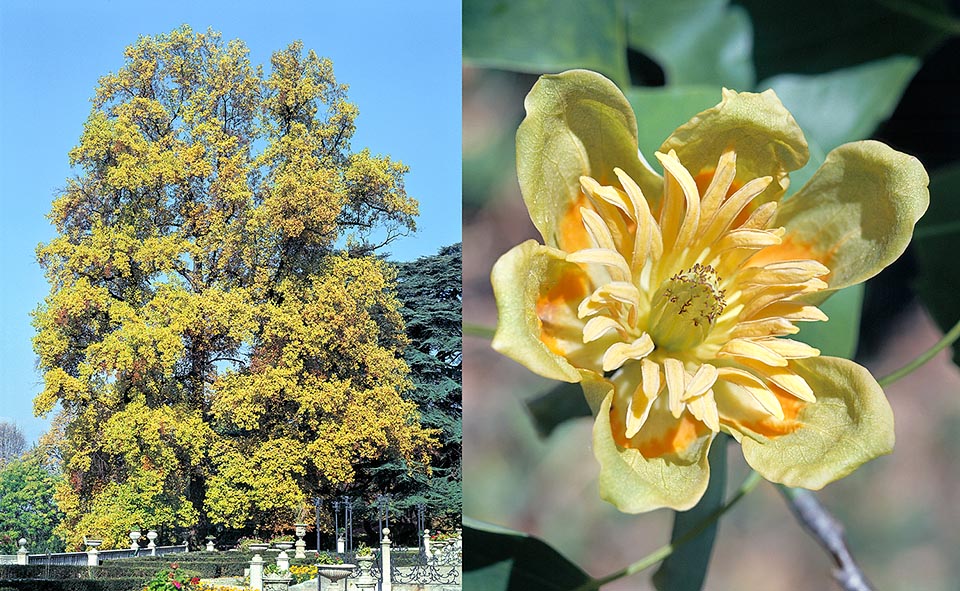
[
  {"x": 663, "y": 552},
  {"x": 828, "y": 532},
  {"x": 948, "y": 339}
]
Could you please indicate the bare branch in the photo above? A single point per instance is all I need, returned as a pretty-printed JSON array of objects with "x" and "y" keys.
[{"x": 828, "y": 532}]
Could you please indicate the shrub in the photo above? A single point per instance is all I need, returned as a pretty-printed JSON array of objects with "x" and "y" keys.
[
  {"x": 41, "y": 571},
  {"x": 328, "y": 558},
  {"x": 75, "y": 584},
  {"x": 244, "y": 543}
]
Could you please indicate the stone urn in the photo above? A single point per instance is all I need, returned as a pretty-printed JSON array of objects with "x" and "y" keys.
[
  {"x": 335, "y": 572},
  {"x": 301, "y": 546},
  {"x": 92, "y": 542},
  {"x": 277, "y": 581},
  {"x": 135, "y": 536},
  {"x": 365, "y": 566}
]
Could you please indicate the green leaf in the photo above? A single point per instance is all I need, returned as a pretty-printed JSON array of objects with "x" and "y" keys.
[
  {"x": 844, "y": 105},
  {"x": 696, "y": 42},
  {"x": 838, "y": 336},
  {"x": 824, "y": 35},
  {"x": 546, "y": 36},
  {"x": 937, "y": 242},
  {"x": 686, "y": 568},
  {"x": 556, "y": 406},
  {"x": 660, "y": 110},
  {"x": 499, "y": 559}
]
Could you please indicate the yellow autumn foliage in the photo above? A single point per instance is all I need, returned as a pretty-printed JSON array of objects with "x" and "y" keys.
[{"x": 219, "y": 336}]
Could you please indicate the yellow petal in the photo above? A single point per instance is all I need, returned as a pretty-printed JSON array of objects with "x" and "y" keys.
[
  {"x": 664, "y": 465},
  {"x": 851, "y": 423},
  {"x": 578, "y": 123},
  {"x": 766, "y": 138},
  {"x": 856, "y": 215},
  {"x": 531, "y": 278}
]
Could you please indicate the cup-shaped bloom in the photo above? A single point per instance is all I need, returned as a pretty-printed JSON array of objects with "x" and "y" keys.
[{"x": 671, "y": 299}]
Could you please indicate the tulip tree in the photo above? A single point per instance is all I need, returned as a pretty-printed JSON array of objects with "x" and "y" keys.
[{"x": 219, "y": 337}]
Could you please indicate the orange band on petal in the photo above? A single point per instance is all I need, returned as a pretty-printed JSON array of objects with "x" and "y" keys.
[
  {"x": 791, "y": 249},
  {"x": 559, "y": 305},
  {"x": 564, "y": 295},
  {"x": 770, "y": 426},
  {"x": 573, "y": 236},
  {"x": 680, "y": 436}
]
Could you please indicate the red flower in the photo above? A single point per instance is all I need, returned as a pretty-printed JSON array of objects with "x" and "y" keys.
[
  {"x": 176, "y": 584},
  {"x": 195, "y": 580}
]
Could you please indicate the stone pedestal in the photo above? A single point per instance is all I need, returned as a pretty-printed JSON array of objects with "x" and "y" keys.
[
  {"x": 283, "y": 560},
  {"x": 256, "y": 572},
  {"x": 93, "y": 557},
  {"x": 365, "y": 580},
  {"x": 276, "y": 582},
  {"x": 341, "y": 545},
  {"x": 385, "y": 582},
  {"x": 300, "y": 548},
  {"x": 23, "y": 556}
]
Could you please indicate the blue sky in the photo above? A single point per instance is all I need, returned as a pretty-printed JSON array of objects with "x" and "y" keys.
[{"x": 401, "y": 60}]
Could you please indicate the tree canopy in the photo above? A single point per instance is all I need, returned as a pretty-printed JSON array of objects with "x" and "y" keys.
[
  {"x": 27, "y": 508},
  {"x": 431, "y": 289},
  {"x": 219, "y": 335}
]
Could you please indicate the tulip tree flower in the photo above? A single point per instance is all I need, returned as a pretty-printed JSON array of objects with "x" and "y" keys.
[{"x": 671, "y": 299}]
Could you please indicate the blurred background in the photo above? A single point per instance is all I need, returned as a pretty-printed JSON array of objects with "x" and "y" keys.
[{"x": 847, "y": 71}]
